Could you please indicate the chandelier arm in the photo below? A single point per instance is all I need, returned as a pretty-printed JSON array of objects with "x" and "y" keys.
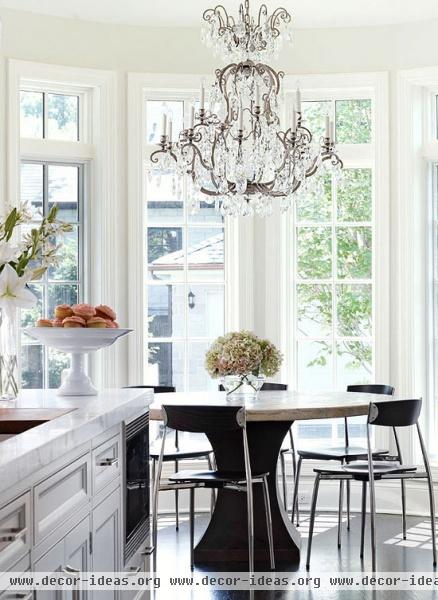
[{"x": 279, "y": 15}]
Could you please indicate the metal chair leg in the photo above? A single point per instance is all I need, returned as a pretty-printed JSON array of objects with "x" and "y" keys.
[
  {"x": 294, "y": 472},
  {"x": 192, "y": 527},
  {"x": 373, "y": 523},
  {"x": 250, "y": 505},
  {"x": 176, "y": 502},
  {"x": 432, "y": 515},
  {"x": 295, "y": 496},
  {"x": 269, "y": 523},
  {"x": 156, "y": 478},
  {"x": 363, "y": 517},
  {"x": 212, "y": 495},
  {"x": 283, "y": 479},
  {"x": 341, "y": 505},
  {"x": 348, "y": 504},
  {"x": 312, "y": 519},
  {"x": 403, "y": 496}
]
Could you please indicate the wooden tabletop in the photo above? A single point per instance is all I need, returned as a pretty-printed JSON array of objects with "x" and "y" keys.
[{"x": 276, "y": 405}]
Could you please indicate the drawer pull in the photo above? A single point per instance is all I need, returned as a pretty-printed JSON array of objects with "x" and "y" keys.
[
  {"x": 108, "y": 462},
  {"x": 19, "y": 596},
  {"x": 75, "y": 594},
  {"x": 11, "y": 535},
  {"x": 134, "y": 570},
  {"x": 148, "y": 551}
]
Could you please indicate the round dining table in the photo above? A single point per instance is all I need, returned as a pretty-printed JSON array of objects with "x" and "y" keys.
[{"x": 269, "y": 417}]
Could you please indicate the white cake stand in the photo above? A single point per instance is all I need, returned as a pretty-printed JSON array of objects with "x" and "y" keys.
[{"x": 77, "y": 342}]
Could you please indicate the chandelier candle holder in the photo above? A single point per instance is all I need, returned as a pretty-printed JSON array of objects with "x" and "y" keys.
[{"x": 235, "y": 153}]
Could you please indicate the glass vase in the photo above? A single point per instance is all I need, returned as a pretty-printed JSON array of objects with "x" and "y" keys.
[
  {"x": 247, "y": 385},
  {"x": 9, "y": 354}
]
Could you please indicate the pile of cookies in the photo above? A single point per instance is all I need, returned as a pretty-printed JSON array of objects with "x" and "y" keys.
[{"x": 81, "y": 315}]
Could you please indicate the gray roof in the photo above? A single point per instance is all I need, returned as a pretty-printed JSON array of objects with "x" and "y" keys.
[{"x": 208, "y": 253}]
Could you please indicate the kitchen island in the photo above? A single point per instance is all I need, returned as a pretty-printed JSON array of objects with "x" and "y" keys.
[{"x": 63, "y": 477}]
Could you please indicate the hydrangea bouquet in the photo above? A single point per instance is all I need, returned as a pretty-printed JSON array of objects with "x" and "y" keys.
[{"x": 242, "y": 359}]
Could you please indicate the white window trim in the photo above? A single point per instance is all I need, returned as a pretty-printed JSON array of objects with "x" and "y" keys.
[
  {"x": 238, "y": 267},
  {"x": 278, "y": 298},
  {"x": 101, "y": 281},
  {"x": 416, "y": 149}
]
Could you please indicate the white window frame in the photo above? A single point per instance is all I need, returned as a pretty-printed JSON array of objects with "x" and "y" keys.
[
  {"x": 238, "y": 281},
  {"x": 417, "y": 145},
  {"x": 97, "y": 151},
  {"x": 278, "y": 299}
]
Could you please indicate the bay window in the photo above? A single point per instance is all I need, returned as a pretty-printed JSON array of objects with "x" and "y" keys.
[{"x": 185, "y": 274}]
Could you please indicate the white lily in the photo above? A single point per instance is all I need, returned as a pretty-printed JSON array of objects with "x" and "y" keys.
[
  {"x": 13, "y": 291},
  {"x": 8, "y": 252}
]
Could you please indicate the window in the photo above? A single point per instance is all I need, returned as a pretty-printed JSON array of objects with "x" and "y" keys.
[
  {"x": 332, "y": 266},
  {"x": 52, "y": 116},
  {"x": 49, "y": 117},
  {"x": 44, "y": 184},
  {"x": 184, "y": 276}
]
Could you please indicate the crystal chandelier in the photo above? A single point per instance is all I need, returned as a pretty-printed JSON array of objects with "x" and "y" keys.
[{"x": 234, "y": 153}]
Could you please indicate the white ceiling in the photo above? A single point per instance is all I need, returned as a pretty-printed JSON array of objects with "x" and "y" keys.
[{"x": 188, "y": 13}]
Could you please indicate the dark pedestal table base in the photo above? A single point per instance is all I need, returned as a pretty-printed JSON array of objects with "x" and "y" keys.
[{"x": 226, "y": 537}]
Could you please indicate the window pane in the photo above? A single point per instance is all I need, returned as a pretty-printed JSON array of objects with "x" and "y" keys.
[
  {"x": 353, "y": 121},
  {"x": 62, "y": 117},
  {"x": 58, "y": 362},
  {"x": 31, "y": 315},
  {"x": 61, "y": 294},
  {"x": 68, "y": 257},
  {"x": 31, "y": 114},
  {"x": 314, "y": 310},
  {"x": 205, "y": 254},
  {"x": 166, "y": 305},
  {"x": 63, "y": 182},
  {"x": 354, "y": 196},
  {"x": 199, "y": 379},
  {"x": 314, "y": 362},
  {"x": 206, "y": 214},
  {"x": 165, "y": 201},
  {"x": 32, "y": 186},
  {"x": 314, "y": 247},
  {"x": 354, "y": 306},
  {"x": 165, "y": 253},
  {"x": 154, "y": 117},
  {"x": 314, "y": 430},
  {"x": 316, "y": 203},
  {"x": 32, "y": 360},
  {"x": 205, "y": 310},
  {"x": 354, "y": 363},
  {"x": 354, "y": 252},
  {"x": 314, "y": 114},
  {"x": 166, "y": 364}
]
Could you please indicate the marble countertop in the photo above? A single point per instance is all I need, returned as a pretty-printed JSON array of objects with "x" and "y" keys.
[
  {"x": 88, "y": 417},
  {"x": 278, "y": 405}
]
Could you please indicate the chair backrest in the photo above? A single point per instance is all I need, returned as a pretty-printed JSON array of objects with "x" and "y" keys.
[
  {"x": 397, "y": 413},
  {"x": 369, "y": 388},
  {"x": 158, "y": 389},
  {"x": 266, "y": 387},
  {"x": 372, "y": 388},
  {"x": 204, "y": 419}
]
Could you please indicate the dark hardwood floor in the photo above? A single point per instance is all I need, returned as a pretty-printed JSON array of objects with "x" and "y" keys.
[{"x": 394, "y": 554}]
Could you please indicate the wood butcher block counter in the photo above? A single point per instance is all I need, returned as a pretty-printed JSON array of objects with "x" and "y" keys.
[{"x": 269, "y": 418}]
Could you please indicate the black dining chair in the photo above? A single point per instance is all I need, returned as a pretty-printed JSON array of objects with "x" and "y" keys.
[
  {"x": 268, "y": 386},
  {"x": 398, "y": 413},
  {"x": 215, "y": 420},
  {"x": 344, "y": 454},
  {"x": 192, "y": 451}
]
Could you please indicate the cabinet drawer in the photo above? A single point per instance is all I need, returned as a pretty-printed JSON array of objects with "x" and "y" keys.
[
  {"x": 14, "y": 531},
  {"x": 56, "y": 497},
  {"x": 23, "y": 568},
  {"x": 106, "y": 463}
]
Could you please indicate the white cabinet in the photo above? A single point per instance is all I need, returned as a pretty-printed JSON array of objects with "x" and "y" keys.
[
  {"x": 70, "y": 554},
  {"x": 106, "y": 540}
]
